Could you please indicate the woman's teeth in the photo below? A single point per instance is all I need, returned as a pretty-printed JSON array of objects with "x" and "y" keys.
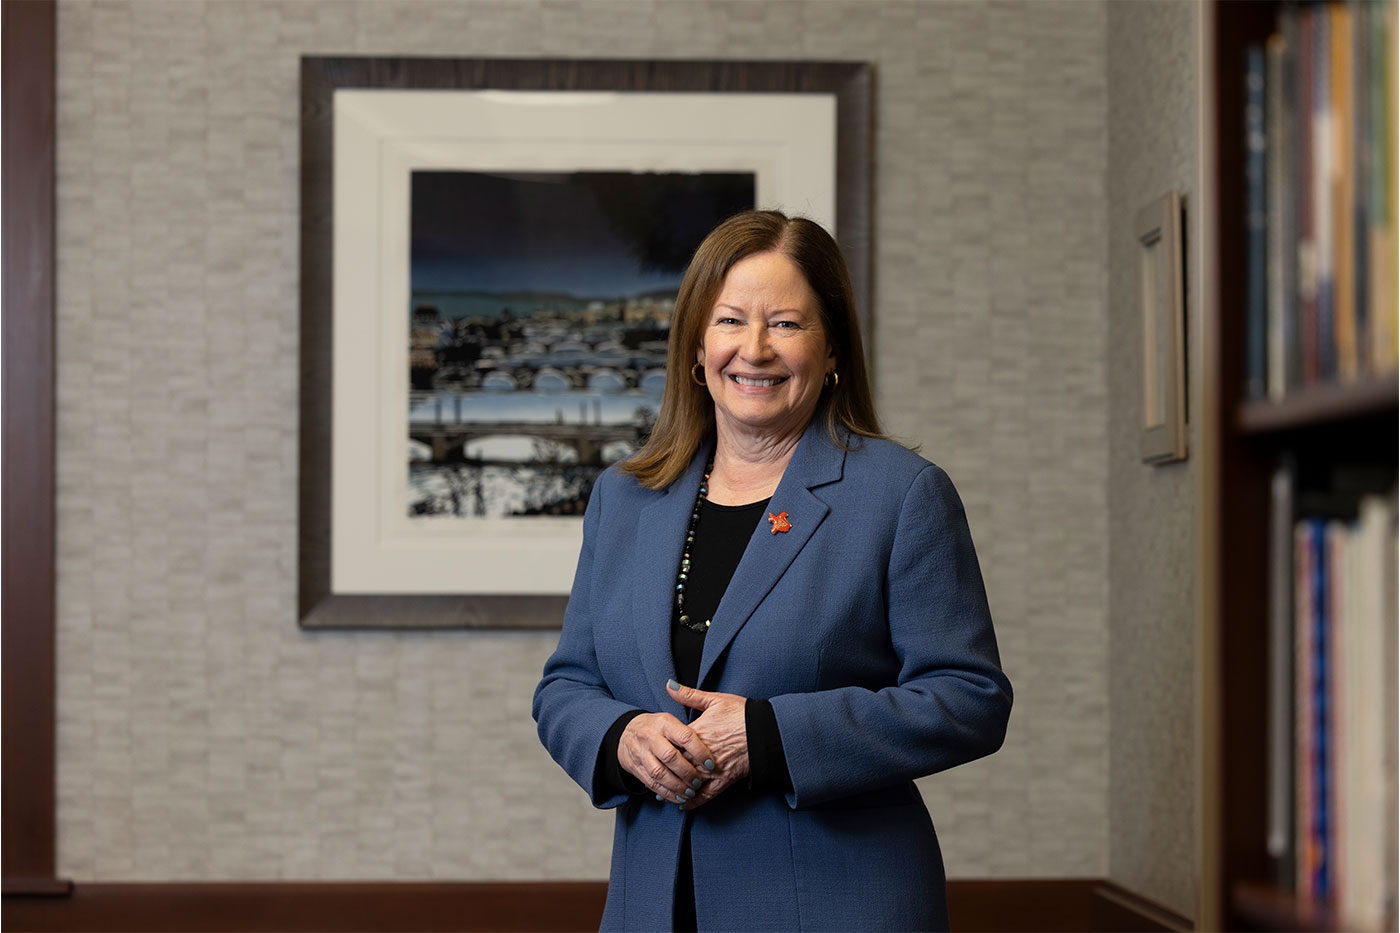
[{"x": 743, "y": 381}]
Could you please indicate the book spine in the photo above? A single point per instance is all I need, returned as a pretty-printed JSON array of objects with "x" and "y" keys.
[
  {"x": 1335, "y": 539},
  {"x": 1360, "y": 195},
  {"x": 1341, "y": 45},
  {"x": 1322, "y": 716},
  {"x": 1305, "y": 847},
  {"x": 1279, "y": 842},
  {"x": 1256, "y": 227},
  {"x": 1389, "y": 814},
  {"x": 1307, "y": 244},
  {"x": 1362, "y": 691},
  {"x": 1276, "y": 261},
  {"x": 1386, "y": 320},
  {"x": 1291, "y": 183},
  {"x": 1323, "y": 185}
]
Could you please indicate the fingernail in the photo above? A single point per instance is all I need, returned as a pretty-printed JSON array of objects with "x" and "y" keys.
[
  {"x": 680, "y": 799},
  {"x": 689, "y": 792},
  {"x": 709, "y": 765},
  {"x": 659, "y": 797},
  {"x": 673, "y": 685},
  {"x": 696, "y": 783}
]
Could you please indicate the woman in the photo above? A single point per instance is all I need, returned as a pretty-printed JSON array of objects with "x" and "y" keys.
[{"x": 777, "y": 622}]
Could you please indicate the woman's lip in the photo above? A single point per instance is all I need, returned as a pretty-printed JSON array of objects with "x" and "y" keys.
[{"x": 771, "y": 380}]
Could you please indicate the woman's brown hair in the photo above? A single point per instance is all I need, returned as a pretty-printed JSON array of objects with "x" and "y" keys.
[{"x": 687, "y": 414}]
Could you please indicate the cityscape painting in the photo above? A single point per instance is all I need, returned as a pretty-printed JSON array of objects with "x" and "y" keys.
[{"x": 538, "y": 319}]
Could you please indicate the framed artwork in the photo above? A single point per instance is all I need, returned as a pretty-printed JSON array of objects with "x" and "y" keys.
[
  {"x": 490, "y": 254},
  {"x": 1160, "y": 277}
]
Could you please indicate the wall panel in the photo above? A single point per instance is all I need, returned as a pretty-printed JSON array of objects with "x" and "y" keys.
[{"x": 202, "y": 736}]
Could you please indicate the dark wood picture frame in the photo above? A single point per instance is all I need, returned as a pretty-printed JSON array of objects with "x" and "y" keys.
[{"x": 317, "y": 606}]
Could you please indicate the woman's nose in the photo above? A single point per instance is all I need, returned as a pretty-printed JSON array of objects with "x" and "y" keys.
[{"x": 756, "y": 342}]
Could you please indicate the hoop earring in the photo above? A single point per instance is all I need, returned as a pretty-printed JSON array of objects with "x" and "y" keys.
[
  {"x": 696, "y": 377},
  {"x": 835, "y": 379}
]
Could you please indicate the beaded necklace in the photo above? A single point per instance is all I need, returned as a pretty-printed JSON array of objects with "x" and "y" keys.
[{"x": 683, "y": 574}]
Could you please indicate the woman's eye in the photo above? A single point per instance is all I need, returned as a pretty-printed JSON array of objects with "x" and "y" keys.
[
  {"x": 727, "y": 320},
  {"x": 789, "y": 325}
]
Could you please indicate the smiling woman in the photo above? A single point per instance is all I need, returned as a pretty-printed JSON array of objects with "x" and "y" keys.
[
  {"x": 765, "y": 354},
  {"x": 756, "y": 696},
  {"x": 688, "y": 413}
]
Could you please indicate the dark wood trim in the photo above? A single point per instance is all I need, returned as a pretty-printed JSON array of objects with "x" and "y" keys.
[
  {"x": 1056, "y": 904},
  {"x": 1117, "y": 908},
  {"x": 1326, "y": 404},
  {"x": 303, "y": 906},
  {"x": 1267, "y": 907},
  {"x": 319, "y": 608},
  {"x": 1053, "y": 904},
  {"x": 27, "y": 608},
  {"x": 1241, "y": 526},
  {"x": 1047, "y": 905},
  {"x": 37, "y": 887}
]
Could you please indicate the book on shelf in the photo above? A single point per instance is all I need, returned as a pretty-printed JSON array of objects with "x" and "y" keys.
[
  {"x": 1256, "y": 221},
  {"x": 1320, "y": 198},
  {"x": 1364, "y": 790},
  {"x": 1342, "y": 122},
  {"x": 1283, "y": 365},
  {"x": 1332, "y": 696},
  {"x": 1280, "y": 842}
]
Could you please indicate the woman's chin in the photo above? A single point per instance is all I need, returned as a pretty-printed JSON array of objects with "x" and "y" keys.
[{"x": 765, "y": 421}]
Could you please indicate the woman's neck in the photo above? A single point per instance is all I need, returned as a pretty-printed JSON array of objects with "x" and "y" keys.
[{"x": 747, "y": 467}]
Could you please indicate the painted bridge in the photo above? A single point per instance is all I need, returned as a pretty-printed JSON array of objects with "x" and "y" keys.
[{"x": 587, "y": 440}]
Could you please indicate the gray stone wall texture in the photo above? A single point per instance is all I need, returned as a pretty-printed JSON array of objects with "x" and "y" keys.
[
  {"x": 1153, "y": 523},
  {"x": 203, "y": 736}
]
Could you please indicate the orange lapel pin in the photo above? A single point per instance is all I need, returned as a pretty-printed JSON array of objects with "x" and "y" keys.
[{"x": 780, "y": 522}]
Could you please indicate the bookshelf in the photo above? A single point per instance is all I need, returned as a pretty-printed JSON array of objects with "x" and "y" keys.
[
  {"x": 1335, "y": 433},
  {"x": 1318, "y": 408}
]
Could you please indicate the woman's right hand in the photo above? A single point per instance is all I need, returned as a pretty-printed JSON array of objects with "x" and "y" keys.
[{"x": 665, "y": 755}]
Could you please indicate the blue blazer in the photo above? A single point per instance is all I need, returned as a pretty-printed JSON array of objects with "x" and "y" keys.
[{"x": 866, "y": 626}]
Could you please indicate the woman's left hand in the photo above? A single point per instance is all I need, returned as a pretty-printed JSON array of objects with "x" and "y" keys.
[{"x": 722, "y": 727}]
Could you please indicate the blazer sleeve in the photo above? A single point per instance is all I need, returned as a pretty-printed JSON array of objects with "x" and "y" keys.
[
  {"x": 951, "y": 701},
  {"x": 573, "y": 706}
]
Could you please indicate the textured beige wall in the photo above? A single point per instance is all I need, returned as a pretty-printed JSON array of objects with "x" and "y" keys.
[
  {"x": 203, "y": 736},
  {"x": 1152, "y": 106}
]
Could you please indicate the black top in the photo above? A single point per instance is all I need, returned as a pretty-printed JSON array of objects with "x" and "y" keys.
[{"x": 721, "y": 535}]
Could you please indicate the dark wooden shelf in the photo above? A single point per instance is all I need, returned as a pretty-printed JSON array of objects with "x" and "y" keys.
[
  {"x": 1339, "y": 439},
  {"x": 1271, "y": 908},
  {"x": 1319, "y": 405}
]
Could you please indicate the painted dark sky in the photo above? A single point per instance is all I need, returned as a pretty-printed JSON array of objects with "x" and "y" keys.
[{"x": 588, "y": 234}]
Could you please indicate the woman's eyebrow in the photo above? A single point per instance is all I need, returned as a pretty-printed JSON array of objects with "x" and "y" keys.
[{"x": 719, "y": 305}]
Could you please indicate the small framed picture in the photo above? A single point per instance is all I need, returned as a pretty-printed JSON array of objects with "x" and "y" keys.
[{"x": 1160, "y": 277}]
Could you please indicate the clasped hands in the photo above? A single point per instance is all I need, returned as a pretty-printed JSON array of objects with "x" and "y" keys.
[{"x": 689, "y": 764}]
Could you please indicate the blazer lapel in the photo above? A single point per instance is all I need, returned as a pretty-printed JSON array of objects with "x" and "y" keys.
[
  {"x": 769, "y": 554},
  {"x": 661, "y": 527}
]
